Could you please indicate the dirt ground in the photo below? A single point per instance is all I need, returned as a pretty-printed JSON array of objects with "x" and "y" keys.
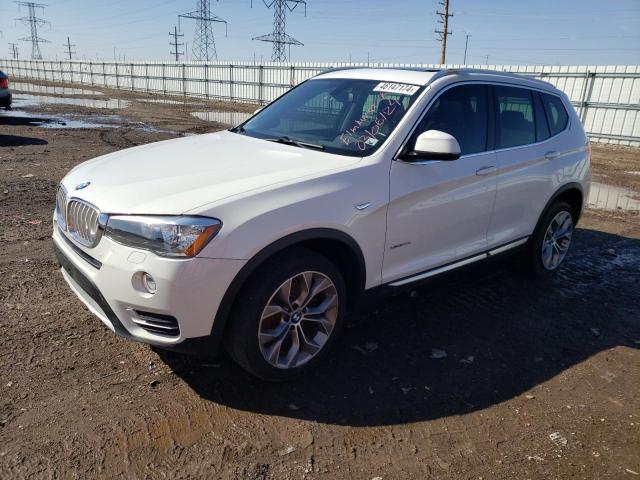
[{"x": 481, "y": 375}]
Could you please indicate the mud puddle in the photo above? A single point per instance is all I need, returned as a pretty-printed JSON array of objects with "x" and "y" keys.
[
  {"x": 16, "y": 117},
  {"x": 610, "y": 197}
]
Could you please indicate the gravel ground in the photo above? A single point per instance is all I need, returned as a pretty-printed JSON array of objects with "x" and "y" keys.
[{"x": 482, "y": 374}]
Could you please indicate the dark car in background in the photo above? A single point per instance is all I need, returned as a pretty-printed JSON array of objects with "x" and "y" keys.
[{"x": 5, "y": 93}]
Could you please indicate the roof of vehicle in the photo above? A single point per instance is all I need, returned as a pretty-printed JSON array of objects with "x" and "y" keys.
[
  {"x": 425, "y": 76},
  {"x": 2, "y": 74}
]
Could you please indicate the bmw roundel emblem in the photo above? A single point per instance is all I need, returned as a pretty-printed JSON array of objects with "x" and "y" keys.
[{"x": 83, "y": 185}]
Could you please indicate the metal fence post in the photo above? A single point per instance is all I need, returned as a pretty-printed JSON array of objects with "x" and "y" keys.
[
  {"x": 261, "y": 84},
  {"x": 587, "y": 95},
  {"x": 184, "y": 80},
  {"x": 117, "y": 82},
  {"x": 132, "y": 87},
  {"x": 146, "y": 75},
  {"x": 293, "y": 76},
  {"x": 206, "y": 80},
  {"x": 231, "y": 82},
  {"x": 164, "y": 79},
  {"x": 91, "y": 72}
]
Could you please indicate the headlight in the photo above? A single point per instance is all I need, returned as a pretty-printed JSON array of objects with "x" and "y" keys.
[{"x": 166, "y": 236}]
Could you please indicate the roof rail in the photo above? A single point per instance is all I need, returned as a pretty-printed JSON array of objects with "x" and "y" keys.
[
  {"x": 455, "y": 71},
  {"x": 415, "y": 69}
]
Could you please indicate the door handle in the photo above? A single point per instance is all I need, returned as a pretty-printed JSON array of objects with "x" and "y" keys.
[
  {"x": 551, "y": 155},
  {"x": 486, "y": 170}
]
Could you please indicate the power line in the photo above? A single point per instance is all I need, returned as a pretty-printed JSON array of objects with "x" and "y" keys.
[
  {"x": 69, "y": 51},
  {"x": 175, "y": 43},
  {"x": 445, "y": 32},
  {"x": 204, "y": 43},
  {"x": 14, "y": 48},
  {"x": 279, "y": 37},
  {"x": 33, "y": 21}
]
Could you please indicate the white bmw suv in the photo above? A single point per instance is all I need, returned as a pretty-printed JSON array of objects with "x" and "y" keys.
[{"x": 260, "y": 238}]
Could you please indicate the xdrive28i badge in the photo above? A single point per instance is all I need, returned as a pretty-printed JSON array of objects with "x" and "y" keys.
[{"x": 82, "y": 185}]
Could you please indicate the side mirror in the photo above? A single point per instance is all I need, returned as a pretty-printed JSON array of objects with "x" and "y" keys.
[{"x": 434, "y": 145}]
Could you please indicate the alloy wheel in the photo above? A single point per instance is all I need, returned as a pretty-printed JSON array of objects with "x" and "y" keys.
[
  {"x": 557, "y": 240},
  {"x": 298, "y": 320}
]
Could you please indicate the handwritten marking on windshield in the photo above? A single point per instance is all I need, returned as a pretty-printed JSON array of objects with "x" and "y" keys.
[{"x": 372, "y": 130}]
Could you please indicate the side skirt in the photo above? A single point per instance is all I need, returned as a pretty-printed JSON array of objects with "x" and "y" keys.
[{"x": 460, "y": 263}]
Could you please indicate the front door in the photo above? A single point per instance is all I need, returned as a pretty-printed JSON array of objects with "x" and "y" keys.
[{"x": 440, "y": 211}]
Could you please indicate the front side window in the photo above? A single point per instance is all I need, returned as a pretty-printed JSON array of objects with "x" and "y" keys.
[
  {"x": 460, "y": 112},
  {"x": 514, "y": 109},
  {"x": 344, "y": 116},
  {"x": 556, "y": 113}
]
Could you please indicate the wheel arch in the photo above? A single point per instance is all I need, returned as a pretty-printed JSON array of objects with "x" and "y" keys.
[
  {"x": 333, "y": 244},
  {"x": 572, "y": 193}
]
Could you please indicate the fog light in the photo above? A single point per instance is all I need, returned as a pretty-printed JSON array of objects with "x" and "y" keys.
[{"x": 149, "y": 283}]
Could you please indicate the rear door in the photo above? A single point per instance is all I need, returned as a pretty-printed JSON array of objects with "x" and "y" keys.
[{"x": 525, "y": 155}]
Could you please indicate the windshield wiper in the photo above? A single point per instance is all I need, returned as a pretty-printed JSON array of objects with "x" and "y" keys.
[
  {"x": 238, "y": 129},
  {"x": 288, "y": 141}
]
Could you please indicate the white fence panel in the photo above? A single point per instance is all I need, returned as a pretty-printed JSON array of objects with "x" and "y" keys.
[{"x": 607, "y": 98}]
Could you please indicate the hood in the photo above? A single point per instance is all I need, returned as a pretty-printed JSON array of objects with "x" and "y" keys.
[{"x": 174, "y": 176}]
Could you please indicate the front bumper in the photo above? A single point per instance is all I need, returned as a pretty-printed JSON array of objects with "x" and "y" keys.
[{"x": 188, "y": 290}]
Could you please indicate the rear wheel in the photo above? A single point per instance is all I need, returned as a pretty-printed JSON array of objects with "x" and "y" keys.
[
  {"x": 288, "y": 315},
  {"x": 550, "y": 242}
]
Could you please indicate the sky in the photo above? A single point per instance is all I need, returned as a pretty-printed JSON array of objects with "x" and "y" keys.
[{"x": 501, "y": 32}]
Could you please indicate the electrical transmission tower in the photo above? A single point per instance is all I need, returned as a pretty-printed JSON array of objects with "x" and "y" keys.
[
  {"x": 69, "y": 51},
  {"x": 14, "y": 50},
  {"x": 175, "y": 43},
  {"x": 204, "y": 44},
  {"x": 33, "y": 21},
  {"x": 278, "y": 37},
  {"x": 445, "y": 32}
]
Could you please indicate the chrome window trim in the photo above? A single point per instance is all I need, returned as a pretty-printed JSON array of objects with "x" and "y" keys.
[{"x": 476, "y": 82}]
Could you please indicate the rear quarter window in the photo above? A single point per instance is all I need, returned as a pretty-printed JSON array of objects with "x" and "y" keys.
[{"x": 557, "y": 115}]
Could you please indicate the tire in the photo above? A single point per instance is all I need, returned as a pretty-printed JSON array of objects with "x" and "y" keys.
[
  {"x": 559, "y": 216},
  {"x": 259, "y": 319}
]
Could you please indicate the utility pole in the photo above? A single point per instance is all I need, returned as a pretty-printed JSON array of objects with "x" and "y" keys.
[
  {"x": 278, "y": 36},
  {"x": 204, "y": 43},
  {"x": 466, "y": 44},
  {"x": 14, "y": 48},
  {"x": 175, "y": 43},
  {"x": 33, "y": 21},
  {"x": 445, "y": 32},
  {"x": 69, "y": 45}
]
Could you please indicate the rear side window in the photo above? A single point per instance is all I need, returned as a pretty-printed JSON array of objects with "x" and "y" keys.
[
  {"x": 461, "y": 112},
  {"x": 514, "y": 110},
  {"x": 557, "y": 115},
  {"x": 542, "y": 127}
]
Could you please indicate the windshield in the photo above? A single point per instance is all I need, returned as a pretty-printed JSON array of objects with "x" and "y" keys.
[{"x": 343, "y": 116}]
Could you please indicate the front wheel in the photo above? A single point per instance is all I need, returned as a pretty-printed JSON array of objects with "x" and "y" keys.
[
  {"x": 550, "y": 242},
  {"x": 288, "y": 315}
]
